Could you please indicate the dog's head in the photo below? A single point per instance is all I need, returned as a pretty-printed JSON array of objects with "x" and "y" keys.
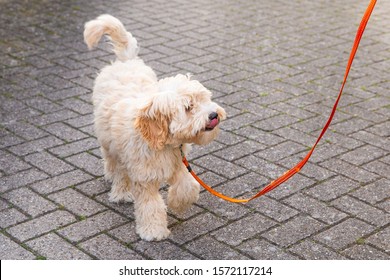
[{"x": 181, "y": 112}]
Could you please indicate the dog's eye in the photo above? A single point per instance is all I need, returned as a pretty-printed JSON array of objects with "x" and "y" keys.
[{"x": 189, "y": 107}]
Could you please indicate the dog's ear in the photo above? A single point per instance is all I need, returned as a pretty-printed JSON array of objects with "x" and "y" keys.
[{"x": 153, "y": 122}]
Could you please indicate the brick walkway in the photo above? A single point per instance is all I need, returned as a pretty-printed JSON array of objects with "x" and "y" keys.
[{"x": 275, "y": 66}]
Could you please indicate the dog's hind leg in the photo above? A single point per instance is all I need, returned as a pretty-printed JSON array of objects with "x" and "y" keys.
[
  {"x": 121, "y": 186},
  {"x": 109, "y": 164}
]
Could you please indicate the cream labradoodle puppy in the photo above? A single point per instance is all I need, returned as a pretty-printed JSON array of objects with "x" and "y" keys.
[{"x": 141, "y": 122}]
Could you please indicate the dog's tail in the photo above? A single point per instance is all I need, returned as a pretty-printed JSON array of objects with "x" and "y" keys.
[{"x": 125, "y": 45}]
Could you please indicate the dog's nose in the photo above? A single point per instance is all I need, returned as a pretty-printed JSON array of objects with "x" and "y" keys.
[{"x": 213, "y": 115}]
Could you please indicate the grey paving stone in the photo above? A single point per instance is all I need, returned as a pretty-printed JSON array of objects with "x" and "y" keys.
[
  {"x": 362, "y": 210},
  {"x": 296, "y": 135},
  {"x": 335, "y": 138},
  {"x": 229, "y": 138},
  {"x": 30, "y": 202},
  {"x": 43, "y": 224},
  {"x": 241, "y": 185},
  {"x": 75, "y": 147},
  {"x": 315, "y": 208},
  {"x": 272, "y": 208},
  {"x": 36, "y": 145},
  {"x": 381, "y": 239},
  {"x": 344, "y": 234},
  {"x": 9, "y": 250},
  {"x": 10, "y": 140},
  {"x": 256, "y": 109},
  {"x": 221, "y": 207},
  {"x": 20, "y": 179},
  {"x": 326, "y": 152},
  {"x": 381, "y": 129},
  {"x": 210, "y": 249},
  {"x": 237, "y": 97},
  {"x": 61, "y": 182},
  {"x": 363, "y": 155},
  {"x": 374, "y": 192},
  {"x": 219, "y": 166},
  {"x": 91, "y": 226},
  {"x": 210, "y": 178},
  {"x": 199, "y": 151},
  {"x": 53, "y": 247},
  {"x": 365, "y": 252},
  {"x": 53, "y": 117},
  {"x": 294, "y": 185},
  {"x": 162, "y": 250},
  {"x": 261, "y": 166},
  {"x": 280, "y": 151},
  {"x": 237, "y": 232},
  {"x": 263, "y": 250},
  {"x": 42, "y": 104},
  {"x": 332, "y": 188},
  {"x": 239, "y": 121},
  {"x": 94, "y": 187},
  {"x": 195, "y": 227},
  {"x": 66, "y": 93},
  {"x": 385, "y": 205},
  {"x": 379, "y": 168},
  {"x": 240, "y": 150},
  {"x": 3, "y": 205},
  {"x": 26, "y": 131},
  {"x": 81, "y": 121},
  {"x": 125, "y": 233},
  {"x": 309, "y": 126},
  {"x": 87, "y": 162},
  {"x": 76, "y": 202},
  {"x": 48, "y": 163},
  {"x": 10, "y": 217},
  {"x": 292, "y": 110},
  {"x": 351, "y": 126},
  {"x": 125, "y": 208},
  {"x": 271, "y": 96},
  {"x": 310, "y": 250},
  {"x": 310, "y": 169},
  {"x": 276, "y": 122},
  {"x": 372, "y": 139},
  {"x": 11, "y": 164},
  {"x": 351, "y": 171},
  {"x": 258, "y": 135},
  {"x": 77, "y": 106},
  {"x": 293, "y": 231},
  {"x": 385, "y": 159},
  {"x": 106, "y": 248},
  {"x": 65, "y": 132}
]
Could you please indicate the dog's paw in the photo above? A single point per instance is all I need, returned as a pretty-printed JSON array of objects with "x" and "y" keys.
[
  {"x": 153, "y": 233},
  {"x": 117, "y": 197}
]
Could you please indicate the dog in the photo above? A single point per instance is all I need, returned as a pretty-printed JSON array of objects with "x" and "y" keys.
[{"x": 141, "y": 124}]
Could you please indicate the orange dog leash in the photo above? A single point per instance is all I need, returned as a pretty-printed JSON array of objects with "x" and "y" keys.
[{"x": 299, "y": 166}]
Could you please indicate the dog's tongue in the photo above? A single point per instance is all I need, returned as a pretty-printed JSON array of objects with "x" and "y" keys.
[{"x": 213, "y": 123}]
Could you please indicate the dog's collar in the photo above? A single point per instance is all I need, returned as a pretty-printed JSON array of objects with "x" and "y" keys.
[
  {"x": 183, "y": 157},
  {"x": 181, "y": 151}
]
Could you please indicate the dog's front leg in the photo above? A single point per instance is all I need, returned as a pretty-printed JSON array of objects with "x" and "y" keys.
[
  {"x": 183, "y": 191},
  {"x": 150, "y": 212}
]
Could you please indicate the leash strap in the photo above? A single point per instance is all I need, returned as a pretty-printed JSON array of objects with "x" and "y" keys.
[{"x": 299, "y": 166}]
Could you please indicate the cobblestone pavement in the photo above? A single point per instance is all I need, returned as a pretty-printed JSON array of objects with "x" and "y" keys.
[{"x": 276, "y": 66}]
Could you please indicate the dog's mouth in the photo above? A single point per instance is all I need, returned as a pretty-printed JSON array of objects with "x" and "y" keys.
[{"x": 212, "y": 124}]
